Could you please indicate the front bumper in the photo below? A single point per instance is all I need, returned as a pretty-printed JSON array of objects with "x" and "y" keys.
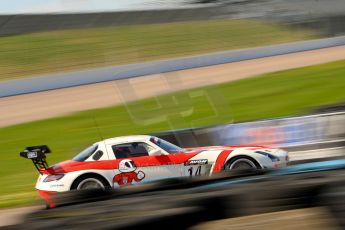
[{"x": 268, "y": 163}]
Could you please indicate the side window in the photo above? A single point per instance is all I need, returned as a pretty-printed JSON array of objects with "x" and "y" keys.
[
  {"x": 134, "y": 149},
  {"x": 97, "y": 155},
  {"x": 86, "y": 153}
]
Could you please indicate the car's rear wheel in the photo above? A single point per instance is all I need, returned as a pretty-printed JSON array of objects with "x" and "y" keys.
[
  {"x": 242, "y": 164},
  {"x": 89, "y": 182}
]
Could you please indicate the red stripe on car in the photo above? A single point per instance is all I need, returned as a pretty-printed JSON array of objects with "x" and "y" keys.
[
  {"x": 220, "y": 162},
  {"x": 145, "y": 161}
]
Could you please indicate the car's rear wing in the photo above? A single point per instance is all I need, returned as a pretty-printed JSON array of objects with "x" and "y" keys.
[{"x": 38, "y": 156}]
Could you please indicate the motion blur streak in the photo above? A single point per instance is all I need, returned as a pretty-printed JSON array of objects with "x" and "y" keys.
[
  {"x": 291, "y": 100},
  {"x": 306, "y": 199},
  {"x": 64, "y": 101}
]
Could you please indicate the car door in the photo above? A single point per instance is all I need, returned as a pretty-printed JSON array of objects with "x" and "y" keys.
[
  {"x": 197, "y": 166},
  {"x": 134, "y": 164},
  {"x": 174, "y": 163},
  {"x": 190, "y": 163}
]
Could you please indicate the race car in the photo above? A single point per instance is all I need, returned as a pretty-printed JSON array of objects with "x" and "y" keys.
[{"x": 127, "y": 160}]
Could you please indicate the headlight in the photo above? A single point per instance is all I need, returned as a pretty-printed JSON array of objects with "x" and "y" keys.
[
  {"x": 269, "y": 155},
  {"x": 53, "y": 177}
]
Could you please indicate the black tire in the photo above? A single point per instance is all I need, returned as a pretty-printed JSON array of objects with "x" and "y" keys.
[
  {"x": 242, "y": 163},
  {"x": 90, "y": 181}
]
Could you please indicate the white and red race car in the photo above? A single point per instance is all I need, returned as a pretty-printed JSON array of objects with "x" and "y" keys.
[{"x": 136, "y": 159}]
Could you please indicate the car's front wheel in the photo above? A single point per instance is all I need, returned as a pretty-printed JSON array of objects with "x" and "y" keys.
[
  {"x": 242, "y": 164},
  {"x": 89, "y": 182}
]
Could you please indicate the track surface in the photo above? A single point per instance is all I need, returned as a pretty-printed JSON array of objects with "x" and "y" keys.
[
  {"x": 15, "y": 215},
  {"x": 308, "y": 218},
  {"x": 42, "y": 105}
]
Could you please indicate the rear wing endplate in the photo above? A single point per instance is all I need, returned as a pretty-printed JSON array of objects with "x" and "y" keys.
[{"x": 38, "y": 156}]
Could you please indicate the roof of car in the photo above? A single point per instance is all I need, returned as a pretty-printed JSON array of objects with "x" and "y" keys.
[{"x": 122, "y": 139}]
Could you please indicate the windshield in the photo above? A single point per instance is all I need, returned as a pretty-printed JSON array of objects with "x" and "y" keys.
[
  {"x": 167, "y": 146},
  {"x": 86, "y": 153}
]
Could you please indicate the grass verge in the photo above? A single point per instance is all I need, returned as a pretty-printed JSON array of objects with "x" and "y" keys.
[{"x": 56, "y": 51}]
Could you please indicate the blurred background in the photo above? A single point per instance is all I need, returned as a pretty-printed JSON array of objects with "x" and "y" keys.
[{"x": 227, "y": 72}]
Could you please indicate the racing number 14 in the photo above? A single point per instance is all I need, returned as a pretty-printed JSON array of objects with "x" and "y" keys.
[{"x": 197, "y": 172}]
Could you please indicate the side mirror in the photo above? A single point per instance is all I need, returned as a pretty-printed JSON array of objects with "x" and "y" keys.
[{"x": 155, "y": 152}]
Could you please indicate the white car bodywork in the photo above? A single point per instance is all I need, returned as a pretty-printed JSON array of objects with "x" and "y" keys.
[{"x": 158, "y": 164}]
